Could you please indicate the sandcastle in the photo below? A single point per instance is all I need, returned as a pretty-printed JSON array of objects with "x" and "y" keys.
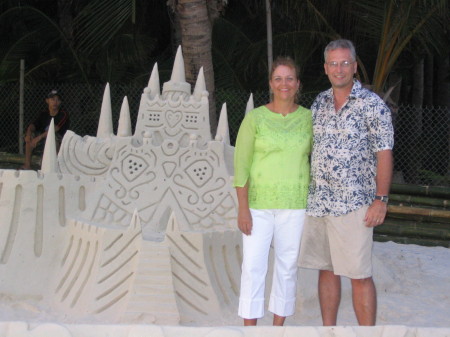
[{"x": 128, "y": 227}]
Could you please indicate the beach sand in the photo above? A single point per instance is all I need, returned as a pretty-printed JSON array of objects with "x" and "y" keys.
[{"x": 413, "y": 288}]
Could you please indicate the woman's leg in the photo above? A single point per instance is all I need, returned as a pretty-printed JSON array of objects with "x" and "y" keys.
[
  {"x": 287, "y": 235},
  {"x": 256, "y": 249}
]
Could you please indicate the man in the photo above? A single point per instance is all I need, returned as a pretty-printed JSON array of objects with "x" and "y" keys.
[
  {"x": 351, "y": 171},
  {"x": 37, "y": 131}
]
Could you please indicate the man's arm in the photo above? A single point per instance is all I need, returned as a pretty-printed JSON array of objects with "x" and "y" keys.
[
  {"x": 29, "y": 133},
  {"x": 30, "y": 129},
  {"x": 377, "y": 211}
]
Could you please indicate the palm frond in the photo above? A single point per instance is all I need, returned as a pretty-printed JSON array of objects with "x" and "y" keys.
[{"x": 99, "y": 21}]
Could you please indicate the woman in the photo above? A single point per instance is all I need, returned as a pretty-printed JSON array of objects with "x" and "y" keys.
[{"x": 271, "y": 179}]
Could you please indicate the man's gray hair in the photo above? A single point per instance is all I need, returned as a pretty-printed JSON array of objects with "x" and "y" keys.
[{"x": 340, "y": 44}]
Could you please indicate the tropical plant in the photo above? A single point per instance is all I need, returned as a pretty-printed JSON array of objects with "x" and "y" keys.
[
  {"x": 416, "y": 26},
  {"x": 104, "y": 44}
]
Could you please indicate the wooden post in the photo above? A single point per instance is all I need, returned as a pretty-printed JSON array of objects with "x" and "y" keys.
[{"x": 21, "y": 95}]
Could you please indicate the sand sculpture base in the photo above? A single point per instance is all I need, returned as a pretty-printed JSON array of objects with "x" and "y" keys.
[{"x": 18, "y": 329}]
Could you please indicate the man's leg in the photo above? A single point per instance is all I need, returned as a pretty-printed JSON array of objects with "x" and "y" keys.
[
  {"x": 28, "y": 152},
  {"x": 329, "y": 296},
  {"x": 364, "y": 300}
]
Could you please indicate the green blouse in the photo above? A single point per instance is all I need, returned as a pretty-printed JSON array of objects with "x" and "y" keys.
[{"x": 272, "y": 154}]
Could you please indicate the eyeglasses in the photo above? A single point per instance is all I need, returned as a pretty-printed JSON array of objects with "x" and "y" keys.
[{"x": 343, "y": 64}]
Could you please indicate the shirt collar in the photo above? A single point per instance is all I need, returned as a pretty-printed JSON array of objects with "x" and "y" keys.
[{"x": 355, "y": 93}]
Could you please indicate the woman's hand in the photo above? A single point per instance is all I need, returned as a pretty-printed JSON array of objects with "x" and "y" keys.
[{"x": 245, "y": 222}]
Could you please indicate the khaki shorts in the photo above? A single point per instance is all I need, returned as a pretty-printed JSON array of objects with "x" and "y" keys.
[{"x": 341, "y": 244}]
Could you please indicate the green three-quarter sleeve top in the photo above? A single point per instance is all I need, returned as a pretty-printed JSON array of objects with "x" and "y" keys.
[{"x": 272, "y": 155}]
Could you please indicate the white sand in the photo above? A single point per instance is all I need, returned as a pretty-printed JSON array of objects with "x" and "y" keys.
[
  {"x": 413, "y": 285},
  {"x": 413, "y": 288}
]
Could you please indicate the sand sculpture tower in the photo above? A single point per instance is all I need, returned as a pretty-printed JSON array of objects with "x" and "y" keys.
[
  {"x": 169, "y": 166},
  {"x": 129, "y": 227}
]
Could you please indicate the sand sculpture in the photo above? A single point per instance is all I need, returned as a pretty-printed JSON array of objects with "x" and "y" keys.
[
  {"x": 128, "y": 228},
  {"x": 132, "y": 234}
]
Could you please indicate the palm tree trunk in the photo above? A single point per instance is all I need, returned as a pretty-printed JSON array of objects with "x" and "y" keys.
[
  {"x": 196, "y": 37},
  {"x": 175, "y": 28}
]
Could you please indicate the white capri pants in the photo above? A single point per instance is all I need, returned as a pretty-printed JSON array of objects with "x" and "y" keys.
[{"x": 285, "y": 227}]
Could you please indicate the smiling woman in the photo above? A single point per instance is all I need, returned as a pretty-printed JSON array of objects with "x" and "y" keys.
[
  {"x": 271, "y": 180},
  {"x": 284, "y": 86}
]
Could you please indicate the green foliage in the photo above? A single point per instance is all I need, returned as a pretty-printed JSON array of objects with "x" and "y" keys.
[
  {"x": 105, "y": 46},
  {"x": 120, "y": 40},
  {"x": 418, "y": 25}
]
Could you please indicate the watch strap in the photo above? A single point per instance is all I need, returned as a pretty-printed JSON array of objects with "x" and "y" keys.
[{"x": 383, "y": 198}]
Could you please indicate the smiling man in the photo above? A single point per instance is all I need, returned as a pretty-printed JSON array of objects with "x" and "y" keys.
[{"x": 351, "y": 171}]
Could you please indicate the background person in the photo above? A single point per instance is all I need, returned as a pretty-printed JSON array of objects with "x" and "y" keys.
[
  {"x": 351, "y": 171},
  {"x": 37, "y": 131},
  {"x": 271, "y": 180}
]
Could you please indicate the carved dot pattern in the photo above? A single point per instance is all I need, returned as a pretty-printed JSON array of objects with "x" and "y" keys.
[
  {"x": 133, "y": 166},
  {"x": 200, "y": 172},
  {"x": 191, "y": 119},
  {"x": 154, "y": 117}
]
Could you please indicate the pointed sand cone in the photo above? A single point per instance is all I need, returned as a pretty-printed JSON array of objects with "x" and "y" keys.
[
  {"x": 200, "y": 85},
  {"x": 250, "y": 104},
  {"x": 154, "y": 85},
  {"x": 223, "y": 132},
  {"x": 124, "y": 128},
  {"x": 105, "y": 124},
  {"x": 49, "y": 159}
]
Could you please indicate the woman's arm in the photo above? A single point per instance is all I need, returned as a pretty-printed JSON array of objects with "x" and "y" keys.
[{"x": 245, "y": 223}]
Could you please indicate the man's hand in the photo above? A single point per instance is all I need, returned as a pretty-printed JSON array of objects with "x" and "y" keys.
[
  {"x": 245, "y": 222},
  {"x": 376, "y": 213},
  {"x": 35, "y": 141}
]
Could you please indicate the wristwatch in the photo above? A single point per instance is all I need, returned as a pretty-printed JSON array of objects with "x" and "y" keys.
[{"x": 382, "y": 198}]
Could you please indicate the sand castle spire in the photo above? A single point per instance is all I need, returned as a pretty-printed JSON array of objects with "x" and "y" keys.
[
  {"x": 250, "y": 104},
  {"x": 178, "y": 74},
  {"x": 49, "y": 159},
  {"x": 200, "y": 85},
  {"x": 124, "y": 128},
  {"x": 223, "y": 133},
  {"x": 105, "y": 124},
  {"x": 153, "y": 87},
  {"x": 177, "y": 84}
]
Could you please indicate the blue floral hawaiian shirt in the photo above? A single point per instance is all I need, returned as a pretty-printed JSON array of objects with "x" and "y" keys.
[{"x": 343, "y": 160}]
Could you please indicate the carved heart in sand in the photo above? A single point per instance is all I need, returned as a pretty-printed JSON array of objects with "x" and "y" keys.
[{"x": 173, "y": 118}]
